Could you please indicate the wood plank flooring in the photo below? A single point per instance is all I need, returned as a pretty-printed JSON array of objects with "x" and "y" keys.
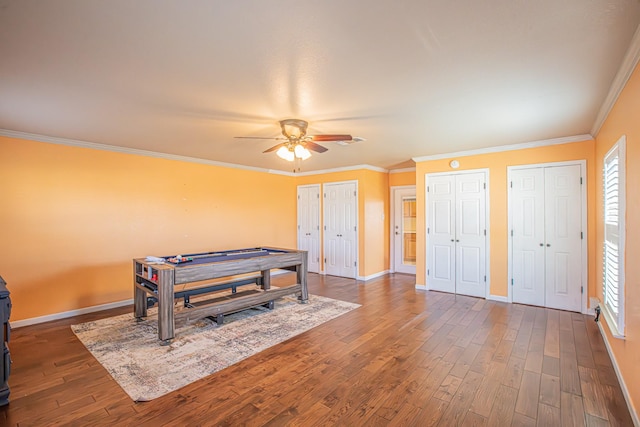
[{"x": 405, "y": 358}]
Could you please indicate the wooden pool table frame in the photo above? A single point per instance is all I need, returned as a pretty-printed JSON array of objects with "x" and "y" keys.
[{"x": 159, "y": 281}]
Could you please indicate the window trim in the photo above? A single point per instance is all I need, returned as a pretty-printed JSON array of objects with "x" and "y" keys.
[{"x": 616, "y": 322}]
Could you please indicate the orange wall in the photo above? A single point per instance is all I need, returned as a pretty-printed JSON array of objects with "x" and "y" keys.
[
  {"x": 376, "y": 222},
  {"x": 73, "y": 218},
  {"x": 497, "y": 164},
  {"x": 402, "y": 178},
  {"x": 624, "y": 119},
  {"x": 373, "y": 208}
]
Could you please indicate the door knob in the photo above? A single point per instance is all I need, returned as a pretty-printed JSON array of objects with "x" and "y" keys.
[
  {"x": 548, "y": 245},
  {"x": 541, "y": 244}
]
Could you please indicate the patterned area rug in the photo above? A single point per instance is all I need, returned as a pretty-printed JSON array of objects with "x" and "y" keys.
[{"x": 132, "y": 353}]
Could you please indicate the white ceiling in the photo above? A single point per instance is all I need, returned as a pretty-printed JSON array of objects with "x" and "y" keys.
[{"x": 415, "y": 78}]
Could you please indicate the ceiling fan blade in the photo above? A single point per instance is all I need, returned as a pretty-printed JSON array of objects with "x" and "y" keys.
[
  {"x": 329, "y": 138},
  {"x": 260, "y": 137},
  {"x": 274, "y": 148},
  {"x": 315, "y": 147}
]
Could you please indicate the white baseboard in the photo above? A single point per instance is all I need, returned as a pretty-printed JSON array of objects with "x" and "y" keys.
[
  {"x": 57, "y": 316},
  {"x": 421, "y": 287},
  {"x": 372, "y": 276},
  {"x": 498, "y": 298},
  {"x": 623, "y": 386}
]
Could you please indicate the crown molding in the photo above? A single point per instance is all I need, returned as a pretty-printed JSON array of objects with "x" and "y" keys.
[
  {"x": 627, "y": 67},
  {"x": 500, "y": 148},
  {"x": 402, "y": 170},
  {"x": 104, "y": 147},
  {"x": 126, "y": 150},
  {"x": 343, "y": 169}
]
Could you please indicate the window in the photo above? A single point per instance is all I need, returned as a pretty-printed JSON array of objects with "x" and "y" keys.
[{"x": 613, "y": 180}]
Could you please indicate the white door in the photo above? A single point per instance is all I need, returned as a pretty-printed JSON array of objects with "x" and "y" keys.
[
  {"x": 563, "y": 230},
  {"x": 340, "y": 218},
  {"x": 404, "y": 230},
  {"x": 441, "y": 233},
  {"x": 528, "y": 234},
  {"x": 546, "y": 220},
  {"x": 309, "y": 224},
  {"x": 470, "y": 234},
  {"x": 456, "y": 233}
]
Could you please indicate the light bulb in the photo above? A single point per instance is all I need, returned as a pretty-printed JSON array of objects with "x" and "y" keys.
[
  {"x": 301, "y": 152},
  {"x": 284, "y": 153}
]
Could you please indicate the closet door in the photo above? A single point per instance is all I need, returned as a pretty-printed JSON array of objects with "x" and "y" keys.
[
  {"x": 470, "y": 234},
  {"x": 527, "y": 205},
  {"x": 563, "y": 279},
  {"x": 441, "y": 233},
  {"x": 309, "y": 224},
  {"x": 456, "y": 233},
  {"x": 546, "y": 219},
  {"x": 340, "y": 219}
]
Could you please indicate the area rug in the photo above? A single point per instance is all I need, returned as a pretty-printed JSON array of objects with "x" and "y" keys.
[{"x": 131, "y": 352}]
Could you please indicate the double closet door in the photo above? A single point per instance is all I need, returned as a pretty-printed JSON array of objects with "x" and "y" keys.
[
  {"x": 546, "y": 236},
  {"x": 340, "y": 229},
  {"x": 457, "y": 233}
]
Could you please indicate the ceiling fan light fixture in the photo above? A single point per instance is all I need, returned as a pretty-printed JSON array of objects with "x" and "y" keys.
[
  {"x": 301, "y": 152},
  {"x": 285, "y": 153}
]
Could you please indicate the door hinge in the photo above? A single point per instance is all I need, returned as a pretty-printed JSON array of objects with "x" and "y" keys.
[
  {"x": 484, "y": 185},
  {"x": 325, "y": 260},
  {"x": 325, "y": 228},
  {"x": 298, "y": 197},
  {"x": 325, "y": 195},
  {"x": 355, "y": 193},
  {"x": 485, "y": 279},
  {"x": 511, "y": 233},
  {"x": 511, "y": 184},
  {"x": 581, "y": 235},
  {"x": 428, "y": 230},
  {"x": 318, "y": 259},
  {"x": 427, "y": 271},
  {"x": 427, "y": 188},
  {"x": 298, "y": 227},
  {"x": 355, "y": 263},
  {"x": 581, "y": 289},
  {"x": 318, "y": 196},
  {"x": 317, "y": 227},
  {"x": 485, "y": 231},
  {"x": 580, "y": 180},
  {"x": 512, "y": 281},
  {"x": 354, "y": 228}
]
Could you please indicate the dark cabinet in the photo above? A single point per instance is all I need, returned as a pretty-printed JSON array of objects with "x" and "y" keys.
[{"x": 5, "y": 366}]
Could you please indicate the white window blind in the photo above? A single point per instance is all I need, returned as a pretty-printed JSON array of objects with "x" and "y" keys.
[{"x": 613, "y": 180}]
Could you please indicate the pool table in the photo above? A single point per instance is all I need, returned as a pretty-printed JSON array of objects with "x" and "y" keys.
[{"x": 158, "y": 278}]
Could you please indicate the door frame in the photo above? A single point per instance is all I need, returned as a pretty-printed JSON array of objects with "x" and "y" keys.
[
  {"x": 487, "y": 205},
  {"x": 392, "y": 219},
  {"x": 320, "y": 234},
  {"x": 357, "y": 221},
  {"x": 584, "y": 279}
]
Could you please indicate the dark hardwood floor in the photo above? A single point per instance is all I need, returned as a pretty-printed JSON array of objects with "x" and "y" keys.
[{"x": 405, "y": 358}]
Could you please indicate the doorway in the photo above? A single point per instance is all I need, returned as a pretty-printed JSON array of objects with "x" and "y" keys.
[{"x": 403, "y": 229}]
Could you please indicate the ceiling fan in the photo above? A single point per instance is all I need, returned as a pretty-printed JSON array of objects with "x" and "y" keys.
[{"x": 297, "y": 144}]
